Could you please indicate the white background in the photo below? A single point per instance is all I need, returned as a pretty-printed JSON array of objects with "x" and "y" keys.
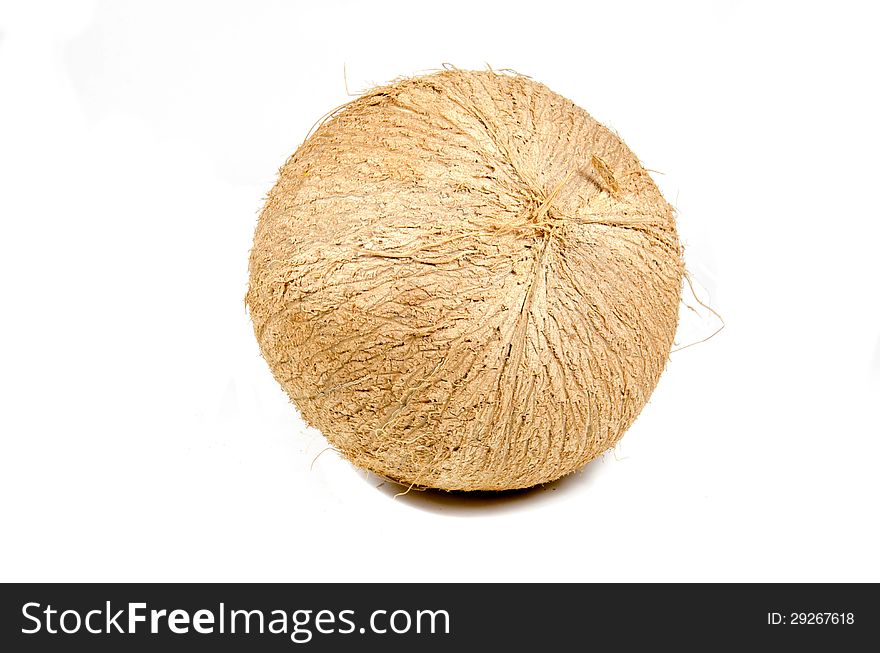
[{"x": 143, "y": 437}]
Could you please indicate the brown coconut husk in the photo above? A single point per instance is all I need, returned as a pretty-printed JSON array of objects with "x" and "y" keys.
[{"x": 466, "y": 282}]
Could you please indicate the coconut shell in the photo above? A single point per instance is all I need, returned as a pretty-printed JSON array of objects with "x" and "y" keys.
[{"x": 466, "y": 282}]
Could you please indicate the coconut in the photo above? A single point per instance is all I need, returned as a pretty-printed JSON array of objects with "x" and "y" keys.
[{"x": 466, "y": 282}]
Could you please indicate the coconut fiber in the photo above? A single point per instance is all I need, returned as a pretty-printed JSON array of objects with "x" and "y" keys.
[{"x": 466, "y": 282}]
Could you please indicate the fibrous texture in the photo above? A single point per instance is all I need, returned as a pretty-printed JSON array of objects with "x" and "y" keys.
[{"x": 466, "y": 282}]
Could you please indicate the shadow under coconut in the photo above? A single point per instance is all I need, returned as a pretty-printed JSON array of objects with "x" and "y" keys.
[{"x": 479, "y": 503}]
